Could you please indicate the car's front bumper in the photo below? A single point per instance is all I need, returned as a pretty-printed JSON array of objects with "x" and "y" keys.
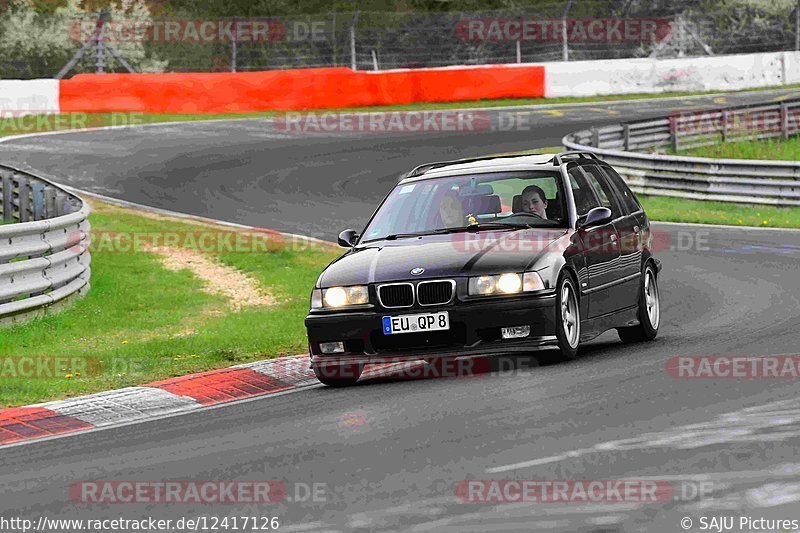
[{"x": 474, "y": 330}]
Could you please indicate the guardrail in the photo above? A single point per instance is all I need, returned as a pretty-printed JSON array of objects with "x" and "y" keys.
[
  {"x": 44, "y": 246},
  {"x": 631, "y": 148}
]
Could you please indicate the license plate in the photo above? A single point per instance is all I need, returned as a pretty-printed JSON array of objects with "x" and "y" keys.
[{"x": 393, "y": 325}]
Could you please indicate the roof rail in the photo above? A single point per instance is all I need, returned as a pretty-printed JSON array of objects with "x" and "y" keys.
[
  {"x": 581, "y": 154},
  {"x": 422, "y": 169}
]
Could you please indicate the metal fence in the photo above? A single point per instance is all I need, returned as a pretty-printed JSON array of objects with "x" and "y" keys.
[
  {"x": 560, "y": 30},
  {"x": 632, "y": 148},
  {"x": 44, "y": 246}
]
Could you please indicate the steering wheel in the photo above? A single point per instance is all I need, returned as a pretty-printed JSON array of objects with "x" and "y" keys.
[{"x": 527, "y": 214}]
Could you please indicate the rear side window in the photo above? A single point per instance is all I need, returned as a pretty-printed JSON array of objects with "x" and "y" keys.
[
  {"x": 625, "y": 194},
  {"x": 603, "y": 189},
  {"x": 585, "y": 199}
]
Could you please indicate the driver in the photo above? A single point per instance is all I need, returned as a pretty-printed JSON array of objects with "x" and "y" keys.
[
  {"x": 534, "y": 201},
  {"x": 451, "y": 211}
]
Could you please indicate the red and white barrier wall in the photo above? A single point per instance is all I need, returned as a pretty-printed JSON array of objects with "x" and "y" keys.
[
  {"x": 295, "y": 89},
  {"x": 342, "y": 87}
]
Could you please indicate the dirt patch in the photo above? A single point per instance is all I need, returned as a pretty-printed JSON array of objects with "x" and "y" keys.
[{"x": 219, "y": 279}]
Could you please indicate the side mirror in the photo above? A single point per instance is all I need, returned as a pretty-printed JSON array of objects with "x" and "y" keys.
[
  {"x": 347, "y": 238},
  {"x": 595, "y": 217}
]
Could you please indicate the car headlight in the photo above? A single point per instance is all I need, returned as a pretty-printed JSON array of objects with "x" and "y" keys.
[
  {"x": 508, "y": 283},
  {"x": 335, "y": 297}
]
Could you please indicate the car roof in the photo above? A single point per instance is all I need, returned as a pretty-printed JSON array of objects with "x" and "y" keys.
[{"x": 500, "y": 163}]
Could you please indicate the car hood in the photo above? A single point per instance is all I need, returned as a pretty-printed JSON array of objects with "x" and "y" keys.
[{"x": 485, "y": 252}]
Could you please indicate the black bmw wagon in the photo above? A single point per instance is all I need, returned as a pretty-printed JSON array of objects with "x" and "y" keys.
[{"x": 491, "y": 255}]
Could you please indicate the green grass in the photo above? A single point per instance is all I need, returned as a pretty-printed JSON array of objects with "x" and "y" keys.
[
  {"x": 679, "y": 210},
  {"x": 770, "y": 149},
  {"x": 15, "y": 126},
  {"x": 707, "y": 212},
  {"x": 145, "y": 322}
]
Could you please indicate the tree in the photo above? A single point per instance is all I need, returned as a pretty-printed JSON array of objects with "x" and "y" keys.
[{"x": 38, "y": 37}]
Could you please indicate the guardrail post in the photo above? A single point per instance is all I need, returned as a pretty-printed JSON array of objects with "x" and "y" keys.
[
  {"x": 626, "y": 137},
  {"x": 784, "y": 120},
  {"x": 234, "y": 40},
  {"x": 24, "y": 200},
  {"x": 724, "y": 126},
  {"x": 62, "y": 204},
  {"x": 38, "y": 200},
  {"x": 50, "y": 202},
  {"x": 595, "y": 137},
  {"x": 673, "y": 133},
  {"x": 8, "y": 193}
]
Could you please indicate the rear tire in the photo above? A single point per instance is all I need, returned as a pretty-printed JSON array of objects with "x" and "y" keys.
[
  {"x": 338, "y": 375},
  {"x": 568, "y": 317},
  {"x": 649, "y": 310}
]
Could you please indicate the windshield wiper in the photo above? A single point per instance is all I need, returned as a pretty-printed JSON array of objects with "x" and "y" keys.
[
  {"x": 443, "y": 231},
  {"x": 485, "y": 225},
  {"x": 395, "y": 236}
]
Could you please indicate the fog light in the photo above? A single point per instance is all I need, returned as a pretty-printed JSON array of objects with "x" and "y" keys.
[
  {"x": 515, "y": 332},
  {"x": 331, "y": 347}
]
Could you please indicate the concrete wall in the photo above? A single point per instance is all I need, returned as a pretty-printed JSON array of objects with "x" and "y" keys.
[
  {"x": 27, "y": 96},
  {"x": 628, "y": 76}
]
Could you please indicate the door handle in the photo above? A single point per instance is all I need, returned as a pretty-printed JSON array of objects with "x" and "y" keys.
[
  {"x": 613, "y": 238},
  {"x": 636, "y": 229}
]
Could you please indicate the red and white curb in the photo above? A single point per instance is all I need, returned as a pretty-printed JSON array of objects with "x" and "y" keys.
[
  {"x": 171, "y": 396},
  {"x": 153, "y": 400}
]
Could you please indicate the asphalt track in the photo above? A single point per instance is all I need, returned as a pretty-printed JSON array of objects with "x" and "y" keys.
[
  {"x": 391, "y": 452},
  {"x": 252, "y": 172}
]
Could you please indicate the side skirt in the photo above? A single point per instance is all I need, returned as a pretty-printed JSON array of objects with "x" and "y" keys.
[{"x": 593, "y": 327}]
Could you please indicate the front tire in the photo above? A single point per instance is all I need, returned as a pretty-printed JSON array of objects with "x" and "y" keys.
[
  {"x": 338, "y": 375},
  {"x": 568, "y": 317},
  {"x": 649, "y": 310}
]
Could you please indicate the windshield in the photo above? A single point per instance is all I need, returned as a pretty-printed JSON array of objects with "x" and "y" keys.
[{"x": 514, "y": 199}]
